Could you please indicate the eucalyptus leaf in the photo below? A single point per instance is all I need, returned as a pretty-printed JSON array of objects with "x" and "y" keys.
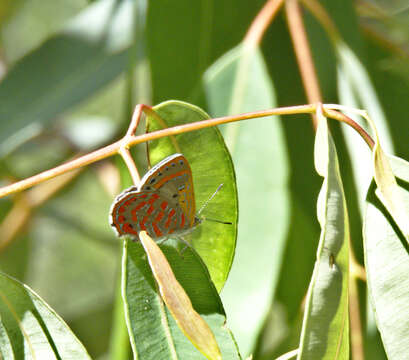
[
  {"x": 153, "y": 331},
  {"x": 211, "y": 166},
  {"x": 364, "y": 92},
  {"x": 29, "y": 328},
  {"x": 299, "y": 256},
  {"x": 239, "y": 82},
  {"x": 325, "y": 332},
  {"x": 356, "y": 90},
  {"x": 354, "y": 72},
  {"x": 387, "y": 266},
  {"x": 178, "y": 303}
]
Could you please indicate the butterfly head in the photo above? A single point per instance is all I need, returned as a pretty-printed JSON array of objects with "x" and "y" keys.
[{"x": 197, "y": 221}]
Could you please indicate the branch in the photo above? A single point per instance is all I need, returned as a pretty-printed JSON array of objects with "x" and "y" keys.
[
  {"x": 303, "y": 54},
  {"x": 130, "y": 139},
  {"x": 261, "y": 22}
]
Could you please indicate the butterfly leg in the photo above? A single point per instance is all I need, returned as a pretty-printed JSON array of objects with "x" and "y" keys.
[
  {"x": 135, "y": 238},
  {"x": 161, "y": 241},
  {"x": 187, "y": 245}
]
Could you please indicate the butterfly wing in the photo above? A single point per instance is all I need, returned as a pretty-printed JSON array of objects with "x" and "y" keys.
[
  {"x": 163, "y": 204},
  {"x": 158, "y": 215},
  {"x": 172, "y": 178}
]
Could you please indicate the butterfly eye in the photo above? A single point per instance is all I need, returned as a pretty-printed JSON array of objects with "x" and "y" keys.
[{"x": 181, "y": 162}]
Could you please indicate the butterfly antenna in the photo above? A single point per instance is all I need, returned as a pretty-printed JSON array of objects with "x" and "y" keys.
[
  {"x": 217, "y": 221},
  {"x": 210, "y": 198},
  {"x": 205, "y": 204}
]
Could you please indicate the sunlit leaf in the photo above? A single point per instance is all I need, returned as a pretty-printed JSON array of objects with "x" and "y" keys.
[
  {"x": 239, "y": 82},
  {"x": 154, "y": 332},
  {"x": 325, "y": 333},
  {"x": 353, "y": 76},
  {"x": 388, "y": 190},
  {"x": 356, "y": 90},
  {"x": 29, "y": 328},
  {"x": 178, "y": 303},
  {"x": 211, "y": 166},
  {"x": 387, "y": 266},
  {"x": 299, "y": 256}
]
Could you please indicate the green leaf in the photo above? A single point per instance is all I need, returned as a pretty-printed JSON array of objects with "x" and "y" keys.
[
  {"x": 388, "y": 190},
  {"x": 325, "y": 333},
  {"x": 29, "y": 328},
  {"x": 153, "y": 331},
  {"x": 177, "y": 301},
  {"x": 357, "y": 77},
  {"x": 386, "y": 68},
  {"x": 299, "y": 256},
  {"x": 90, "y": 52},
  {"x": 356, "y": 90},
  {"x": 211, "y": 166},
  {"x": 387, "y": 266},
  {"x": 239, "y": 82},
  {"x": 354, "y": 77}
]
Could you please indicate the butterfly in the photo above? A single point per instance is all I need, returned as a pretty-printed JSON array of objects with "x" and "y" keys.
[{"x": 163, "y": 204}]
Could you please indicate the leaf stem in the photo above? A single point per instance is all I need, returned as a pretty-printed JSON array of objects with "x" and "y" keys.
[{"x": 343, "y": 118}]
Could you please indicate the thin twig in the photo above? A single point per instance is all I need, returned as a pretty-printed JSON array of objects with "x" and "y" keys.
[
  {"x": 129, "y": 141},
  {"x": 322, "y": 16},
  {"x": 126, "y": 155},
  {"x": 136, "y": 117},
  {"x": 68, "y": 166},
  {"x": 356, "y": 270},
  {"x": 357, "y": 348},
  {"x": 113, "y": 149},
  {"x": 303, "y": 54},
  {"x": 343, "y": 118},
  {"x": 261, "y": 22}
]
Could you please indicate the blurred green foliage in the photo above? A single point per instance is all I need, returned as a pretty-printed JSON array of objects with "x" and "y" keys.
[{"x": 73, "y": 70}]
